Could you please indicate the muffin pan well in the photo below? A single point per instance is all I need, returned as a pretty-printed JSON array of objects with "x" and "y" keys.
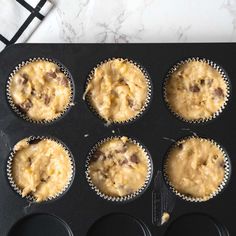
[{"x": 80, "y": 211}]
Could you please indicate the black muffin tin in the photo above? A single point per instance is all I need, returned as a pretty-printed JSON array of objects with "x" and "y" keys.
[{"x": 80, "y": 129}]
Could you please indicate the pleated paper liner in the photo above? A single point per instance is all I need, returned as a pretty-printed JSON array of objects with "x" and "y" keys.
[
  {"x": 128, "y": 197},
  {"x": 19, "y": 111},
  {"x": 213, "y": 65},
  {"x": 29, "y": 197},
  {"x": 147, "y": 101},
  {"x": 227, "y": 171}
]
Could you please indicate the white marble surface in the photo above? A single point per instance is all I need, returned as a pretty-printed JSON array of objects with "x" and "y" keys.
[{"x": 75, "y": 21}]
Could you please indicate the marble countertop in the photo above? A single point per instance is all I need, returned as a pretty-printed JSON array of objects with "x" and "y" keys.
[{"x": 126, "y": 21}]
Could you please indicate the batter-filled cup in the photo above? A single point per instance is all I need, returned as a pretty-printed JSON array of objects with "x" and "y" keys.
[
  {"x": 40, "y": 168},
  {"x": 118, "y": 90},
  {"x": 118, "y": 168},
  {"x": 196, "y": 90},
  {"x": 40, "y": 90},
  {"x": 196, "y": 169}
]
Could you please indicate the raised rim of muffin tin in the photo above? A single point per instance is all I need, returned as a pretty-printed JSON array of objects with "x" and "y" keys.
[
  {"x": 30, "y": 216},
  {"x": 138, "y": 221},
  {"x": 219, "y": 226},
  {"x": 214, "y": 65},
  {"x": 148, "y": 98},
  {"x": 220, "y": 189},
  {"x": 23, "y": 115},
  {"x": 30, "y": 198},
  {"x": 131, "y": 196}
]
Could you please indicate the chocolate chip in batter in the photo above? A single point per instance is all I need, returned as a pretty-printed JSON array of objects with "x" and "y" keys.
[
  {"x": 130, "y": 103},
  {"x": 204, "y": 163},
  {"x": 25, "y": 78},
  {"x": 26, "y": 105},
  {"x": 180, "y": 146},
  {"x": 105, "y": 176},
  {"x": 194, "y": 88},
  {"x": 58, "y": 70},
  {"x": 202, "y": 81},
  {"x": 46, "y": 99},
  {"x": 33, "y": 92},
  {"x": 20, "y": 109},
  {"x": 30, "y": 161},
  {"x": 45, "y": 179},
  {"x": 34, "y": 141},
  {"x": 219, "y": 92},
  {"x": 51, "y": 75},
  {"x": 63, "y": 81},
  {"x": 215, "y": 157},
  {"x": 134, "y": 159},
  {"x": 121, "y": 80},
  {"x": 222, "y": 164},
  {"x": 97, "y": 155}
]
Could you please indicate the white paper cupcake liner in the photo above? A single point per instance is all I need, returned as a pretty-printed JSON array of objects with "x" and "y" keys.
[
  {"x": 131, "y": 196},
  {"x": 210, "y": 63},
  {"x": 31, "y": 197},
  {"x": 227, "y": 171},
  {"x": 23, "y": 115},
  {"x": 148, "y": 98}
]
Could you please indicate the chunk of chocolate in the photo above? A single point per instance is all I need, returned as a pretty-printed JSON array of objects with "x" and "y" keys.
[
  {"x": 105, "y": 176},
  {"x": 180, "y": 146},
  {"x": 215, "y": 157},
  {"x": 219, "y": 92},
  {"x": 202, "y": 81},
  {"x": 222, "y": 164},
  {"x": 204, "y": 163},
  {"x": 46, "y": 99},
  {"x": 45, "y": 179},
  {"x": 121, "y": 80},
  {"x": 58, "y": 70},
  {"x": 134, "y": 159},
  {"x": 30, "y": 161},
  {"x": 98, "y": 154},
  {"x": 130, "y": 102},
  {"x": 51, "y": 75},
  {"x": 63, "y": 81},
  {"x": 34, "y": 141},
  {"x": 25, "y": 78},
  {"x": 33, "y": 92},
  {"x": 194, "y": 88},
  {"x": 26, "y": 105}
]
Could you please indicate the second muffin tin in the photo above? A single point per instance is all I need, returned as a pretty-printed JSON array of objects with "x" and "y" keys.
[{"x": 75, "y": 212}]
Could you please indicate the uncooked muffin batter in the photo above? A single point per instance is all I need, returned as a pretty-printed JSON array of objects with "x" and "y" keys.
[
  {"x": 117, "y": 90},
  {"x": 195, "y": 167},
  {"x": 196, "y": 90},
  {"x": 41, "y": 168},
  {"x": 119, "y": 167},
  {"x": 40, "y": 90}
]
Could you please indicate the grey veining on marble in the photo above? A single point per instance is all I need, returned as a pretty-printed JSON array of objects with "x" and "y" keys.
[{"x": 127, "y": 21}]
